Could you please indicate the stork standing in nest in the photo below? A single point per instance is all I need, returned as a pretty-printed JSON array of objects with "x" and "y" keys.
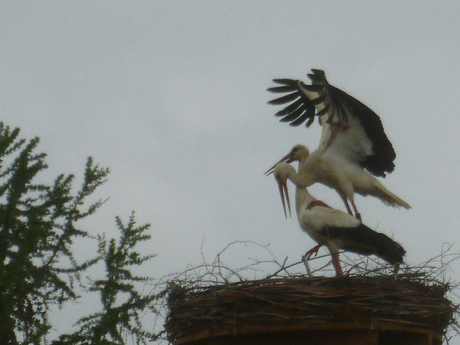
[
  {"x": 353, "y": 144},
  {"x": 333, "y": 228}
]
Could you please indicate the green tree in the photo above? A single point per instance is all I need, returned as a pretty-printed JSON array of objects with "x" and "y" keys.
[
  {"x": 39, "y": 223},
  {"x": 122, "y": 304}
]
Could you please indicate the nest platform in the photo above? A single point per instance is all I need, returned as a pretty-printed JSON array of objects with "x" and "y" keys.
[{"x": 322, "y": 310}]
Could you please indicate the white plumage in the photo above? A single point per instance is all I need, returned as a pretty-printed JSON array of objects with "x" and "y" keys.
[
  {"x": 353, "y": 144},
  {"x": 333, "y": 228}
]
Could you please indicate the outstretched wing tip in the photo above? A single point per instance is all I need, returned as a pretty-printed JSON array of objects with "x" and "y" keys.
[
  {"x": 298, "y": 107},
  {"x": 304, "y": 102}
]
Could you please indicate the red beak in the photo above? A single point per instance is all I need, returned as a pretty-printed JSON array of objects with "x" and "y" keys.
[
  {"x": 284, "y": 193},
  {"x": 285, "y": 159}
]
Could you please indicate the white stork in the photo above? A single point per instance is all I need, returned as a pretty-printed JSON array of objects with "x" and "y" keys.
[
  {"x": 333, "y": 228},
  {"x": 353, "y": 144}
]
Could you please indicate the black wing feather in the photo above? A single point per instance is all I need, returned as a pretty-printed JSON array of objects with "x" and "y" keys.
[
  {"x": 281, "y": 89},
  {"x": 382, "y": 161},
  {"x": 301, "y": 110},
  {"x": 365, "y": 241},
  {"x": 302, "y": 119},
  {"x": 293, "y": 116},
  {"x": 290, "y": 108},
  {"x": 343, "y": 105},
  {"x": 284, "y": 99}
]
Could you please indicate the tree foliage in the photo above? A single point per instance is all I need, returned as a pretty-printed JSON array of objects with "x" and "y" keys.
[
  {"x": 122, "y": 304},
  {"x": 39, "y": 222}
]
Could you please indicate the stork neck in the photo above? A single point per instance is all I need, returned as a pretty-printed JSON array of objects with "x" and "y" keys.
[
  {"x": 301, "y": 179},
  {"x": 302, "y": 164},
  {"x": 302, "y": 198},
  {"x": 305, "y": 174}
]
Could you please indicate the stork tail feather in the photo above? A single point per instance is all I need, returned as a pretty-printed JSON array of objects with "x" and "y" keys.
[
  {"x": 365, "y": 241},
  {"x": 388, "y": 197}
]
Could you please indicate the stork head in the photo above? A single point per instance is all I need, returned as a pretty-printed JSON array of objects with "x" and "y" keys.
[
  {"x": 297, "y": 153},
  {"x": 281, "y": 172}
]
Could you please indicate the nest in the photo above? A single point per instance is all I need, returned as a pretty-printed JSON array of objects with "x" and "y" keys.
[
  {"x": 311, "y": 301},
  {"x": 212, "y": 299}
]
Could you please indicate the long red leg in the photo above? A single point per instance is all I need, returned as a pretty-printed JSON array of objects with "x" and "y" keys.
[
  {"x": 357, "y": 214},
  {"x": 344, "y": 198},
  {"x": 336, "y": 263}
]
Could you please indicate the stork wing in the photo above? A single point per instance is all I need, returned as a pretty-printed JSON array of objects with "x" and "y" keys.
[
  {"x": 320, "y": 217},
  {"x": 350, "y": 234},
  {"x": 349, "y": 126}
]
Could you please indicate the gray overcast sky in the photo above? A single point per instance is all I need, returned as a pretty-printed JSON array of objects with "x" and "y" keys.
[{"x": 172, "y": 97}]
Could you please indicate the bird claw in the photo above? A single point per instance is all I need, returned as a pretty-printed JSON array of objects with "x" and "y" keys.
[{"x": 312, "y": 251}]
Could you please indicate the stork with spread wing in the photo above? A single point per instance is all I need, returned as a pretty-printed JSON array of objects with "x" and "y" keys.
[{"x": 353, "y": 147}]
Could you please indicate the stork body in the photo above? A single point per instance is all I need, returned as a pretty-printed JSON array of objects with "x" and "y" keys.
[
  {"x": 338, "y": 173},
  {"x": 333, "y": 228},
  {"x": 353, "y": 145}
]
